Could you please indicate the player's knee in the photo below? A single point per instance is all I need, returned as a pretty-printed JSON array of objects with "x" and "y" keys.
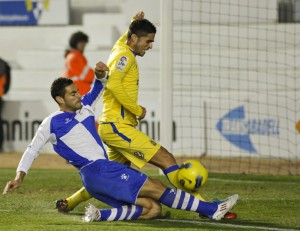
[
  {"x": 156, "y": 209},
  {"x": 153, "y": 188},
  {"x": 151, "y": 209},
  {"x": 157, "y": 185}
]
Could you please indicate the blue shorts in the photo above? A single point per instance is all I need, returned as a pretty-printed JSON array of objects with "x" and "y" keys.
[{"x": 112, "y": 183}]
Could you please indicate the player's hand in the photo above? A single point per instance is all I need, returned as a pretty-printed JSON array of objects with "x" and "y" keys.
[
  {"x": 139, "y": 15},
  {"x": 297, "y": 126},
  {"x": 142, "y": 116},
  {"x": 11, "y": 186},
  {"x": 100, "y": 70}
]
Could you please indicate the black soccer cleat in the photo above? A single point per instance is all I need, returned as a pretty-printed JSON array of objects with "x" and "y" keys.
[
  {"x": 164, "y": 216},
  {"x": 62, "y": 206}
]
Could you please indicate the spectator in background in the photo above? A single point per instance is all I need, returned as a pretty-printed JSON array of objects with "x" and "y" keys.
[
  {"x": 76, "y": 65},
  {"x": 4, "y": 87}
]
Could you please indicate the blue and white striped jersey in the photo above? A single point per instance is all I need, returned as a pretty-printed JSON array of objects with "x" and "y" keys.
[{"x": 73, "y": 135}]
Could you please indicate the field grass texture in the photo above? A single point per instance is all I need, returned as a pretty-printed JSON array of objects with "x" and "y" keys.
[{"x": 266, "y": 203}]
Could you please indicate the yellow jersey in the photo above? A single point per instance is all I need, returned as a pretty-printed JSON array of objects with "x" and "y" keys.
[{"x": 120, "y": 96}]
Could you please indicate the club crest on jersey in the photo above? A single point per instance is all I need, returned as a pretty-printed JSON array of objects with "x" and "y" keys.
[
  {"x": 122, "y": 63},
  {"x": 172, "y": 191},
  {"x": 124, "y": 177},
  {"x": 67, "y": 120},
  {"x": 138, "y": 154}
]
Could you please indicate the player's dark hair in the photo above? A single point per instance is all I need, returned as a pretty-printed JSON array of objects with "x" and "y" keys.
[
  {"x": 58, "y": 87},
  {"x": 76, "y": 38},
  {"x": 141, "y": 27}
]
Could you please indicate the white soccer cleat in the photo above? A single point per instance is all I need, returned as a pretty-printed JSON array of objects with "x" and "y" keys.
[
  {"x": 224, "y": 206},
  {"x": 91, "y": 214}
]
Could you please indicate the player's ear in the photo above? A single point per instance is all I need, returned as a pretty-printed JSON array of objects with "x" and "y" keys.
[
  {"x": 59, "y": 99},
  {"x": 134, "y": 38}
]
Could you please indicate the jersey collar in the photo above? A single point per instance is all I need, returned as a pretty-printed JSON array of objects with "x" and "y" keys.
[{"x": 133, "y": 52}]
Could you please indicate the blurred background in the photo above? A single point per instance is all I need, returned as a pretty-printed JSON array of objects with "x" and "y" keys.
[{"x": 233, "y": 77}]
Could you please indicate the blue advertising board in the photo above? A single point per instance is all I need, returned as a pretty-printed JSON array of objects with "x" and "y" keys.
[{"x": 34, "y": 12}]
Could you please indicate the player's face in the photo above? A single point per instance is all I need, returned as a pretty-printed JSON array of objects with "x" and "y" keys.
[
  {"x": 72, "y": 99},
  {"x": 143, "y": 44}
]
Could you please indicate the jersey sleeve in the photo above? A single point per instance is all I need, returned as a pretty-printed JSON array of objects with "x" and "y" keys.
[
  {"x": 118, "y": 70},
  {"x": 95, "y": 91},
  {"x": 41, "y": 137}
]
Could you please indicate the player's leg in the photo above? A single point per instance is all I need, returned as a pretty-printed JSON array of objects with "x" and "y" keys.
[
  {"x": 166, "y": 161},
  {"x": 178, "y": 199},
  {"x": 68, "y": 204},
  {"x": 173, "y": 198},
  {"x": 102, "y": 179},
  {"x": 151, "y": 208},
  {"x": 145, "y": 209},
  {"x": 139, "y": 149}
]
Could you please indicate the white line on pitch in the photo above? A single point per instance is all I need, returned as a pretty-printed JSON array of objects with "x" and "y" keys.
[
  {"x": 227, "y": 225},
  {"x": 249, "y": 181}
]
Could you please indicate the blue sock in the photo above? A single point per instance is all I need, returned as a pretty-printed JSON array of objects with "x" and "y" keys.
[
  {"x": 126, "y": 212},
  {"x": 178, "y": 199}
]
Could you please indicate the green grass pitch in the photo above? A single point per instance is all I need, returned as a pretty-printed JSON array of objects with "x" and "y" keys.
[{"x": 266, "y": 203}]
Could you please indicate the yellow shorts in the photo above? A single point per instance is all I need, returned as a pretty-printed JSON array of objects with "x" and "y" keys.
[{"x": 126, "y": 143}]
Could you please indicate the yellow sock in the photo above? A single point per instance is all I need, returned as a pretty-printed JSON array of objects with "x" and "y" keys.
[
  {"x": 172, "y": 176},
  {"x": 78, "y": 197},
  {"x": 197, "y": 195}
]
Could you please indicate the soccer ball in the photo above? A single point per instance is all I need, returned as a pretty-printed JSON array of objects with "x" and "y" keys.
[{"x": 192, "y": 175}]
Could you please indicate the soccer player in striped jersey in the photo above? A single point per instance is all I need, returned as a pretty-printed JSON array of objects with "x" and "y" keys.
[{"x": 73, "y": 134}]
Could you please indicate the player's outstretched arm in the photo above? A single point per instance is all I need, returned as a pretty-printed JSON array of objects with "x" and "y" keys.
[
  {"x": 14, "y": 184},
  {"x": 297, "y": 126}
]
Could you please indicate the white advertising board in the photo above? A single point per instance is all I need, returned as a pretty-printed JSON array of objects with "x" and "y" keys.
[{"x": 253, "y": 125}]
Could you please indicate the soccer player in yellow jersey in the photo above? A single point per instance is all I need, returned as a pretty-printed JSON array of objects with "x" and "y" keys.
[{"x": 121, "y": 111}]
